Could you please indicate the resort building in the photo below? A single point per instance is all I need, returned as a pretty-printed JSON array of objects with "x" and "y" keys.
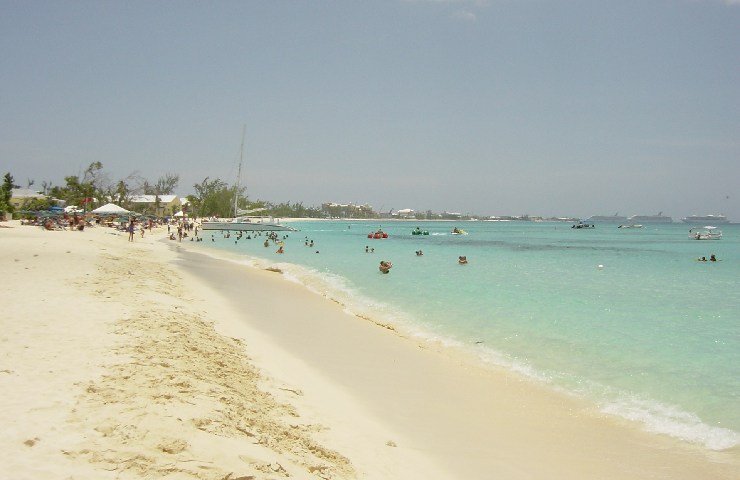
[
  {"x": 406, "y": 213},
  {"x": 347, "y": 210},
  {"x": 159, "y": 205}
]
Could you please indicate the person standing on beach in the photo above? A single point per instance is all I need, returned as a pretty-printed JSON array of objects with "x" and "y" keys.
[{"x": 131, "y": 230}]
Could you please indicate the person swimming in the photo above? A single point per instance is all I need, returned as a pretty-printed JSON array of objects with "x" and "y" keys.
[{"x": 385, "y": 267}]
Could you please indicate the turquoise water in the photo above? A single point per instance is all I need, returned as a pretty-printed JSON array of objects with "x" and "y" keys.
[{"x": 625, "y": 317}]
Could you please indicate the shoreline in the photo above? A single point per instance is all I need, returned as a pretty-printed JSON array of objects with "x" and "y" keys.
[
  {"x": 518, "y": 389},
  {"x": 362, "y": 401}
]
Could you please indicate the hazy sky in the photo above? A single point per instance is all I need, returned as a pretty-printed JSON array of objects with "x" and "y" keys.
[{"x": 495, "y": 107}]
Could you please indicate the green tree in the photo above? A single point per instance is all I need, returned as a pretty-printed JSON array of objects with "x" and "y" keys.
[
  {"x": 214, "y": 198},
  {"x": 296, "y": 210},
  {"x": 6, "y": 192},
  {"x": 166, "y": 184},
  {"x": 77, "y": 189},
  {"x": 74, "y": 191},
  {"x": 38, "y": 204},
  {"x": 122, "y": 194}
]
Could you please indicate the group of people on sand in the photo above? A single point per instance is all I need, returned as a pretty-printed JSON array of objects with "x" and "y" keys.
[
  {"x": 58, "y": 223},
  {"x": 712, "y": 258}
]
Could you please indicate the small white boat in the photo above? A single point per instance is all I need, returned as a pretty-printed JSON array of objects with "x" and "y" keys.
[
  {"x": 631, "y": 225},
  {"x": 246, "y": 224},
  {"x": 705, "y": 233}
]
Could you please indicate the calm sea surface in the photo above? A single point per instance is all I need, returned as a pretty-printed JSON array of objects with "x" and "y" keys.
[{"x": 625, "y": 317}]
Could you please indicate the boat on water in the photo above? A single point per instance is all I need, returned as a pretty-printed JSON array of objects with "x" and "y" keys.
[
  {"x": 583, "y": 224},
  {"x": 630, "y": 225},
  {"x": 458, "y": 231},
  {"x": 706, "y": 219},
  {"x": 659, "y": 218},
  {"x": 419, "y": 231},
  {"x": 705, "y": 233},
  {"x": 243, "y": 221},
  {"x": 247, "y": 224},
  {"x": 616, "y": 218},
  {"x": 379, "y": 233}
]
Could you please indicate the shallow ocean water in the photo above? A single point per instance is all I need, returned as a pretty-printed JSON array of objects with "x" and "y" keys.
[{"x": 627, "y": 318}]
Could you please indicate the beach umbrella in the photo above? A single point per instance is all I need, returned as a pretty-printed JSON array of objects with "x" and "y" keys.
[{"x": 110, "y": 208}]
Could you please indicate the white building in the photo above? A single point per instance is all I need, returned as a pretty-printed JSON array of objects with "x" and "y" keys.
[{"x": 406, "y": 213}]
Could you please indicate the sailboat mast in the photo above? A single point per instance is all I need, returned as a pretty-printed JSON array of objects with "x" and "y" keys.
[{"x": 239, "y": 175}]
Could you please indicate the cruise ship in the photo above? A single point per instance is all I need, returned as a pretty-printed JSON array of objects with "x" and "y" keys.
[
  {"x": 705, "y": 219},
  {"x": 616, "y": 218},
  {"x": 659, "y": 218}
]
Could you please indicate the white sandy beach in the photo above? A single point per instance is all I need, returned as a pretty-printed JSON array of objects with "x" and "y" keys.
[{"x": 147, "y": 360}]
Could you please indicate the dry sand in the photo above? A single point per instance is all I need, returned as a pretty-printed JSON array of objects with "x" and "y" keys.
[{"x": 148, "y": 360}]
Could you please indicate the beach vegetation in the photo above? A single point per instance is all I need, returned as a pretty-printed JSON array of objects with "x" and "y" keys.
[
  {"x": 122, "y": 193},
  {"x": 6, "y": 191},
  {"x": 74, "y": 192},
  {"x": 94, "y": 186},
  {"x": 213, "y": 198},
  {"x": 295, "y": 210},
  {"x": 216, "y": 198},
  {"x": 38, "y": 203},
  {"x": 165, "y": 185},
  {"x": 81, "y": 189}
]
